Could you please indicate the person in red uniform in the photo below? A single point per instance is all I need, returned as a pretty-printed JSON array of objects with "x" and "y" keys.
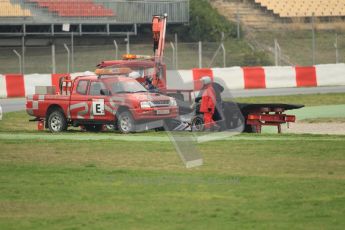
[{"x": 208, "y": 102}]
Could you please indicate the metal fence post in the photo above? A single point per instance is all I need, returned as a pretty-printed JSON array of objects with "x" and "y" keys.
[
  {"x": 336, "y": 49},
  {"x": 173, "y": 56},
  {"x": 277, "y": 52},
  {"x": 127, "y": 45},
  {"x": 224, "y": 54},
  {"x": 72, "y": 51},
  {"x": 313, "y": 37},
  {"x": 23, "y": 55},
  {"x": 68, "y": 57},
  {"x": 176, "y": 52},
  {"x": 53, "y": 57},
  {"x": 200, "y": 54},
  {"x": 224, "y": 51},
  {"x": 20, "y": 61},
  {"x": 116, "y": 49}
]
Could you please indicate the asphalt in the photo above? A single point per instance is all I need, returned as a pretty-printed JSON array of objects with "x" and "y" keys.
[{"x": 18, "y": 104}]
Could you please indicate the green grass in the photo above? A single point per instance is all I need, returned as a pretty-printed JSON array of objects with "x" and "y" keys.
[
  {"x": 143, "y": 185},
  {"x": 304, "y": 99},
  {"x": 250, "y": 182}
]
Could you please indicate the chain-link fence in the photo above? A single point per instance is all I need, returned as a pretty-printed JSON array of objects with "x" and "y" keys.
[
  {"x": 301, "y": 44},
  {"x": 302, "y": 47},
  {"x": 82, "y": 58}
]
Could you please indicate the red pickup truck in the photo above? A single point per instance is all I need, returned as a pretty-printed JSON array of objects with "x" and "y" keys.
[{"x": 93, "y": 101}]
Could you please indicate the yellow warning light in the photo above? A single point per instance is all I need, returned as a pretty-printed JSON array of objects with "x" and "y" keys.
[
  {"x": 113, "y": 71},
  {"x": 129, "y": 56},
  {"x": 134, "y": 56}
]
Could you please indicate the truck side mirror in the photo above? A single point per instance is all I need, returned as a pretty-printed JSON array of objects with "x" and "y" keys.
[{"x": 105, "y": 92}]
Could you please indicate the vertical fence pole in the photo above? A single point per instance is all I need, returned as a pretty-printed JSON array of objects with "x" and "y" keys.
[
  {"x": 336, "y": 49},
  {"x": 224, "y": 55},
  {"x": 173, "y": 56},
  {"x": 313, "y": 37},
  {"x": 68, "y": 57},
  {"x": 127, "y": 45},
  {"x": 238, "y": 22},
  {"x": 53, "y": 57},
  {"x": 23, "y": 55},
  {"x": 19, "y": 61},
  {"x": 176, "y": 52},
  {"x": 116, "y": 49},
  {"x": 200, "y": 54},
  {"x": 224, "y": 51},
  {"x": 72, "y": 51},
  {"x": 277, "y": 52}
]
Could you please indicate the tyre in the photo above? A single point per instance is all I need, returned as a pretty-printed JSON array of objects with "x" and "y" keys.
[
  {"x": 57, "y": 121},
  {"x": 197, "y": 124},
  {"x": 93, "y": 128},
  {"x": 250, "y": 129},
  {"x": 126, "y": 123}
]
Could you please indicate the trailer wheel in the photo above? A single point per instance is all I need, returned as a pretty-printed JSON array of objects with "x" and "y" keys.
[
  {"x": 93, "y": 128},
  {"x": 250, "y": 129},
  {"x": 126, "y": 123},
  {"x": 57, "y": 122},
  {"x": 197, "y": 124}
]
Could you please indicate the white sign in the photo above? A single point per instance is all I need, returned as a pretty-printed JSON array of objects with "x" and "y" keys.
[
  {"x": 66, "y": 27},
  {"x": 98, "y": 106}
]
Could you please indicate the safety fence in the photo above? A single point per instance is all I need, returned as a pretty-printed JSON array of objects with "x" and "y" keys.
[{"x": 17, "y": 85}]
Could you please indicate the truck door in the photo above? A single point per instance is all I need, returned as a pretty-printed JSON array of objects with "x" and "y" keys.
[
  {"x": 100, "y": 108},
  {"x": 79, "y": 107}
]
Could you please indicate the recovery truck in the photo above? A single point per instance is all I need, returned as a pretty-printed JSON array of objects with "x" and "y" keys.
[
  {"x": 92, "y": 101},
  {"x": 99, "y": 99},
  {"x": 153, "y": 70}
]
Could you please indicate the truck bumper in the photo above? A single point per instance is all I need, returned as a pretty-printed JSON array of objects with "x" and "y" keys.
[{"x": 155, "y": 113}]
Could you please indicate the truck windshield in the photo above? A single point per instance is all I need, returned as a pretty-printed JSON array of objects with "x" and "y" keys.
[{"x": 127, "y": 87}]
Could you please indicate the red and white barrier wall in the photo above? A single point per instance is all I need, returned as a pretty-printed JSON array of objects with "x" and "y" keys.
[
  {"x": 16, "y": 85},
  {"x": 262, "y": 77}
]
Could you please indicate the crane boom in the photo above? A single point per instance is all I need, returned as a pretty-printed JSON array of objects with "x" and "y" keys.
[{"x": 159, "y": 30}]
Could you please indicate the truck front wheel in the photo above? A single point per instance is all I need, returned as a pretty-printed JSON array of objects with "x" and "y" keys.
[
  {"x": 57, "y": 122},
  {"x": 125, "y": 122}
]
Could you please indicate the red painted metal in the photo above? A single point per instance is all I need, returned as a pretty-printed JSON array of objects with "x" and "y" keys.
[{"x": 269, "y": 117}]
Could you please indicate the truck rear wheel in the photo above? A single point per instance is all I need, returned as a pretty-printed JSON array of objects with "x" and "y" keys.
[
  {"x": 125, "y": 122},
  {"x": 57, "y": 122}
]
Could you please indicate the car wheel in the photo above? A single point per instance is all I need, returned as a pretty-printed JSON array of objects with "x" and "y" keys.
[
  {"x": 93, "y": 128},
  {"x": 197, "y": 124},
  {"x": 57, "y": 122},
  {"x": 126, "y": 123}
]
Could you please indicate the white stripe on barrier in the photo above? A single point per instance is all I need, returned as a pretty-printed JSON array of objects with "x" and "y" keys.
[
  {"x": 3, "y": 89},
  {"x": 330, "y": 75},
  {"x": 231, "y": 78},
  {"x": 182, "y": 79},
  {"x": 32, "y": 80},
  {"x": 280, "y": 76}
]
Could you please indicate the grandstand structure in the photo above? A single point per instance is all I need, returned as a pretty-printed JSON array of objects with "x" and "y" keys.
[
  {"x": 97, "y": 17},
  {"x": 267, "y": 14},
  {"x": 304, "y": 8}
]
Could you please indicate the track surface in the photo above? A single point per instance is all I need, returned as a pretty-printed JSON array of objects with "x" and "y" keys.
[
  {"x": 12, "y": 105},
  {"x": 18, "y": 104}
]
